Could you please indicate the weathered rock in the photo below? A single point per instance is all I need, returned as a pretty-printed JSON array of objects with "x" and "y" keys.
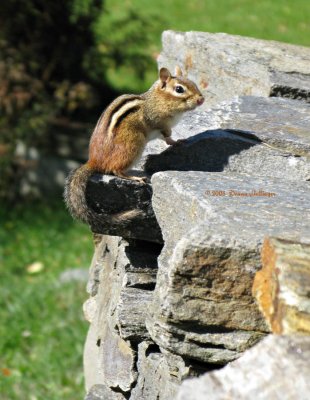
[
  {"x": 155, "y": 378},
  {"x": 263, "y": 203},
  {"x": 136, "y": 267},
  {"x": 108, "y": 195},
  {"x": 279, "y": 122},
  {"x": 122, "y": 279},
  {"x": 282, "y": 287},
  {"x": 276, "y": 368},
  {"x": 236, "y": 136},
  {"x": 102, "y": 392},
  {"x": 202, "y": 306},
  {"x": 92, "y": 374},
  {"x": 161, "y": 373},
  {"x": 226, "y": 65},
  {"x": 116, "y": 356},
  {"x": 101, "y": 251},
  {"x": 116, "y": 360}
]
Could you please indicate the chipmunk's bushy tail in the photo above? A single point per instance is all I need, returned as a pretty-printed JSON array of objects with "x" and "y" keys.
[
  {"x": 75, "y": 198},
  {"x": 74, "y": 193}
]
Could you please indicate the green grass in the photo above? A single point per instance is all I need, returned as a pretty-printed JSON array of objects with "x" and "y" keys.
[
  {"x": 42, "y": 328},
  {"x": 281, "y": 20}
]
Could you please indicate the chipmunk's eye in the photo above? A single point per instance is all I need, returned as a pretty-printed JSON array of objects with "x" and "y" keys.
[{"x": 179, "y": 89}]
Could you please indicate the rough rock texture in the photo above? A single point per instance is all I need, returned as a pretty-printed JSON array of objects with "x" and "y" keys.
[
  {"x": 120, "y": 292},
  {"x": 174, "y": 300},
  {"x": 101, "y": 392},
  {"x": 159, "y": 375},
  {"x": 109, "y": 195},
  {"x": 202, "y": 306},
  {"x": 119, "y": 356},
  {"x": 282, "y": 287},
  {"x": 228, "y": 65},
  {"x": 276, "y": 368}
]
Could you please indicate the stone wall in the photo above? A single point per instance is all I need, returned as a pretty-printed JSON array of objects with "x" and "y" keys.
[{"x": 170, "y": 291}]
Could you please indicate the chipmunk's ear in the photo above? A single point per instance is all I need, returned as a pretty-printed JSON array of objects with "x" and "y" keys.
[
  {"x": 178, "y": 71},
  {"x": 164, "y": 76}
]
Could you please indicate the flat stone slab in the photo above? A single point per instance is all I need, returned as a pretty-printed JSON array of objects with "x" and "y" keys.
[
  {"x": 255, "y": 135},
  {"x": 109, "y": 195},
  {"x": 234, "y": 204},
  {"x": 282, "y": 123},
  {"x": 203, "y": 307},
  {"x": 224, "y": 65},
  {"x": 276, "y": 368}
]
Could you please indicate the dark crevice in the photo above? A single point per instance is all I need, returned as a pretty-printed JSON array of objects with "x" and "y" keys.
[
  {"x": 188, "y": 326},
  {"x": 134, "y": 346},
  {"x": 143, "y": 254},
  {"x": 145, "y": 246},
  {"x": 198, "y": 368},
  {"x": 288, "y": 92},
  {"x": 144, "y": 286},
  {"x": 153, "y": 348},
  {"x": 210, "y": 345},
  {"x": 119, "y": 390}
]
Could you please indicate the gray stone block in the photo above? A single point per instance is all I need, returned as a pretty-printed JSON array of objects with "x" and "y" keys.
[
  {"x": 202, "y": 306},
  {"x": 156, "y": 379},
  {"x": 276, "y": 368},
  {"x": 160, "y": 373},
  {"x": 228, "y": 65},
  {"x": 122, "y": 279}
]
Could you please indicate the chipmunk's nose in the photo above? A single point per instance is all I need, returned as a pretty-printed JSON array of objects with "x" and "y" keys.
[{"x": 200, "y": 100}]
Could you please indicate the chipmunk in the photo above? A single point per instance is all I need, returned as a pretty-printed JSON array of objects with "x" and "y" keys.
[{"x": 123, "y": 130}]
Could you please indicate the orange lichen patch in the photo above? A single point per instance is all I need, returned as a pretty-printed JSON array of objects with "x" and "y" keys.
[
  {"x": 265, "y": 285},
  {"x": 188, "y": 62},
  {"x": 281, "y": 287},
  {"x": 203, "y": 83}
]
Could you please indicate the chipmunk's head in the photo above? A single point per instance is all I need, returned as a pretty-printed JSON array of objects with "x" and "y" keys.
[{"x": 180, "y": 92}]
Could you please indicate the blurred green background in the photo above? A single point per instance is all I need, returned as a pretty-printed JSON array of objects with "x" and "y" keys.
[{"x": 66, "y": 60}]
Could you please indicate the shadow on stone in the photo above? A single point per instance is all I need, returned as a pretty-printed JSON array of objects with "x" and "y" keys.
[{"x": 207, "y": 151}]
